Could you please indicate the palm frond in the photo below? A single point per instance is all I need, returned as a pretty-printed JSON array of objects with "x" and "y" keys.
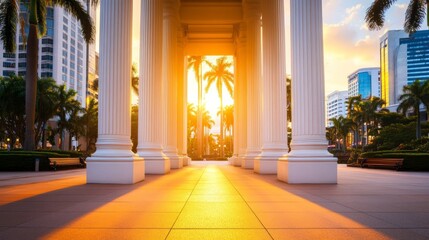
[
  {"x": 8, "y": 20},
  {"x": 41, "y": 18},
  {"x": 375, "y": 14},
  {"x": 75, "y": 8},
  {"x": 414, "y": 15}
]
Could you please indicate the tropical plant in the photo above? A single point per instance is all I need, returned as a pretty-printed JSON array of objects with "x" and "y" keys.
[
  {"x": 220, "y": 76},
  {"x": 341, "y": 129},
  {"x": 89, "y": 120},
  {"x": 66, "y": 106},
  {"x": 196, "y": 63},
  {"x": 12, "y": 112},
  {"x": 37, "y": 28},
  {"x": 47, "y": 97},
  {"x": 416, "y": 11},
  {"x": 414, "y": 95}
]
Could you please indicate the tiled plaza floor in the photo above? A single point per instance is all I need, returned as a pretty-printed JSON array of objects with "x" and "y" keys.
[{"x": 209, "y": 200}]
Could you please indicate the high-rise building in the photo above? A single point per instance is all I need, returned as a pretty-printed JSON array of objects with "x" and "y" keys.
[
  {"x": 336, "y": 105},
  {"x": 417, "y": 52},
  {"x": 364, "y": 82},
  {"x": 62, "y": 51},
  {"x": 393, "y": 66}
]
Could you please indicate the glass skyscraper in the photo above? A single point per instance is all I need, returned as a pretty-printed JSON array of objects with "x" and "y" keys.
[
  {"x": 417, "y": 56},
  {"x": 364, "y": 82}
]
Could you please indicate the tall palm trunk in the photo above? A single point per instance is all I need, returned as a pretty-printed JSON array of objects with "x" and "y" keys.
[
  {"x": 31, "y": 86},
  {"x": 200, "y": 115},
  {"x": 221, "y": 120}
]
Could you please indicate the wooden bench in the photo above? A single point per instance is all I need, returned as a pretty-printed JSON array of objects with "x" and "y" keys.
[
  {"x": 54, "y": 163},
  {"x": 394, "y": 163}
]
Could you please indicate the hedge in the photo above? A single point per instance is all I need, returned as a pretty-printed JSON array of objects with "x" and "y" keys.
[
  {"x": 412, "y": 160},
  {"x": 19, "y": 160}
]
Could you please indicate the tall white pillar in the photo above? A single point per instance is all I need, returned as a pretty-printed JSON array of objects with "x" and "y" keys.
[
  {"x": 274, "y": 132},
  {"x": 181, "y": 99},
  {"x": 114, "y": 162},
  {"x": 240, "y": 92},
  {"x": 150, "y": 90},
  {"x": 169, "y": 81},
  {"x": 252, "y": 13},
  {"x": 309, "y": 160}
]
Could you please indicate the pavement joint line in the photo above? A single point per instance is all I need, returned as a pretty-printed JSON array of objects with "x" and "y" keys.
[
  {"x": 187, "y": 200},
  {"x": 239, "y": 193}
]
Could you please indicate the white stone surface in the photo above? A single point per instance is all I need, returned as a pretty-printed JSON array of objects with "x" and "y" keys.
[
  {"x": 169, "y": 80},
  {"x": 309, "y": 160},
  {"x": 252, "y": 14},
  {"x": 114, "y": 162},
  {"x": 150, "y": 89},
  {"x": 274, "y": 135}
]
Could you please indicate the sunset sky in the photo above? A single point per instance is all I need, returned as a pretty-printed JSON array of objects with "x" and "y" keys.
[{"x": 349, "y": 45}]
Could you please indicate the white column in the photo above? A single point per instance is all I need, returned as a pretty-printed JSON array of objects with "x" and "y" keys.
[
  {"x": 181, "y": 99},
  {"x": 252, "y": 14},
  {"x": 150, "y": 90},
  {"x": 309, "y": 160},
  {"x": 169, "y": 69},
  {"x": 274, "y": 145},
  {"x": 114, "y": 162},
  {"x": 240, "y": 91}
]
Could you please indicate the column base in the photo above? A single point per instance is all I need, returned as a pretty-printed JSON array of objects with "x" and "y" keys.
[
  {"x": 187, "y": 161},
  {"x": 248, "y": 160},
  {"x": 115, "y": 170},
  {"x": 265, "y": 166},
  {"x": 307, "y": 169},
  {"x": 235, "y": 161},
  {"x": 155, "y": 162},
  {"x": 176, "y": 162},
  {"x": 266, "y": 162}
]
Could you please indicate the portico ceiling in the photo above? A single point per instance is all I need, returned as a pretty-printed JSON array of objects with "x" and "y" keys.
[{"x": 209, "y": 25}]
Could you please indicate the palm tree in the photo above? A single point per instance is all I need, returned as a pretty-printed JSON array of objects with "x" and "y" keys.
[
  {"x": 341, "y": 128},
  {"x": 220, "y": 75},
  {"x": 196, "y": 62},
  {"x": 192, "y": 126},
  {"x": 414, "y": 94},
  {"x": 208, "y": 123},
  {"x": 414, "y": 15},
  {"x": 353, "y": 114},
  {"x": 66, "y": 105},
  {"x": 90, "y": 123},
  {"x": 228, "y": 122},
  {"x": 47, "y": 97},
  {"x": 37, "y": 28}
]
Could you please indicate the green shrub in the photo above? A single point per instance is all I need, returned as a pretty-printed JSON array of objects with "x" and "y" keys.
[
  {"x": 20, "y": 160},
  {"x": 379, "y": 153},
  {"x": 423, "y": 148},
  {"x": 23, "y": 162}
]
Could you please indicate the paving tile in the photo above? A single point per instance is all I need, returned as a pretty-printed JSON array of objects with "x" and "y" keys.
[
  {"x": 302, "y": 206},
  {"x": 221, "y": 234},
  {"x": 115, "y": 206},
  {"x": 405, "y": 220},
  {"x": 217, "y": 215},
  {"x": 215, "y": 198},
  {"x": 321, "y": 220},
  {"x": 11, "y": 219},
  {"x": 83, "y": 234},
  {"x": 105, "y": 220},
  {"x": 343, "y": 234}
]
